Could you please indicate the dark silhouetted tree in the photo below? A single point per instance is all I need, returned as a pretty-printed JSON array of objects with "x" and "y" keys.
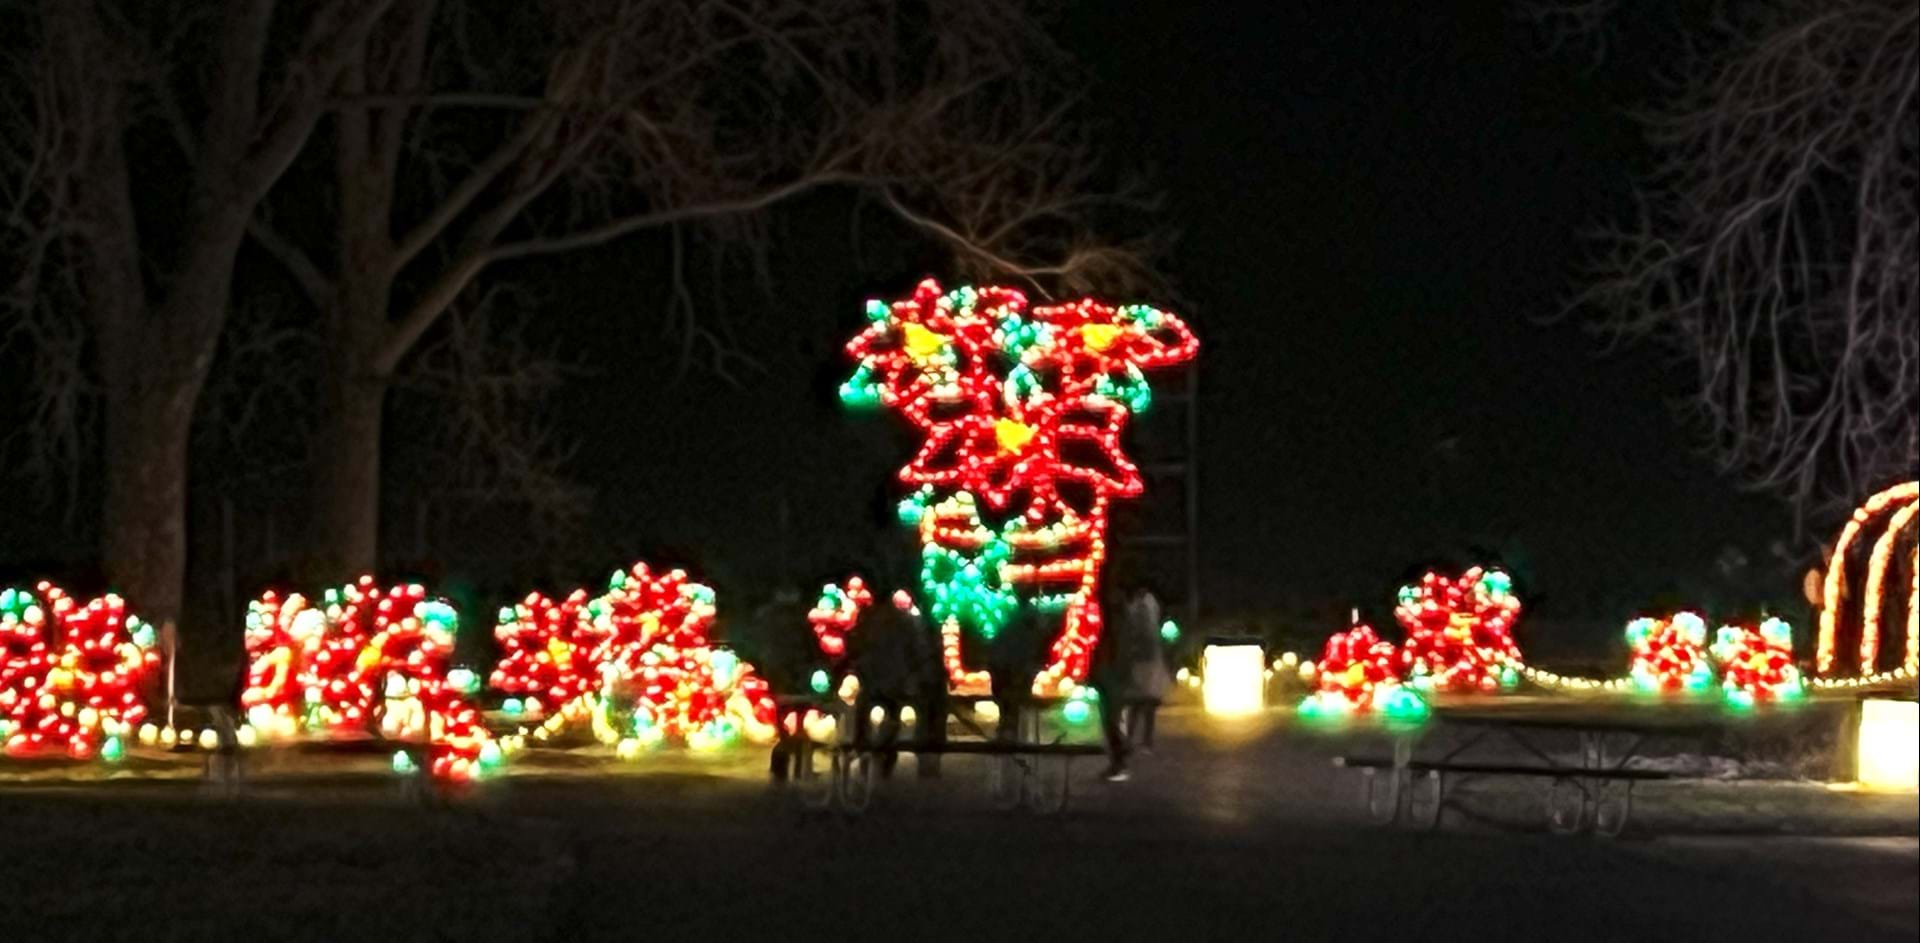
[
  {"x": 1777, "y": 244},
  {"x": 137, "y": 142},
  {"x": 461, "y": 145}
]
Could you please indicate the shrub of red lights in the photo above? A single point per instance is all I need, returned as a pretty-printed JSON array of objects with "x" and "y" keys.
[
  {"x": 1460, "y": 631},
  {"x": 71, "y": 674},
  {"x": 641, "y": 657},
  {"x": 1359, "y": 673},
  {"x": 1756, "y": 664},
  {"x": 542, "y": 662},
  {"x": 1669, "y": 654},
  {"x": 365, "y": 660}
]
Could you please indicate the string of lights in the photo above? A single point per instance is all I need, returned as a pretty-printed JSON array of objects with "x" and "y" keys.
[{"x": 1895, "y": 501}]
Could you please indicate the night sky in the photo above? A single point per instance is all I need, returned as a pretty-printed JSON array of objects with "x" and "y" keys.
[
  {"x": 1378, "y": 212},
  {"x": 1379, "y": 207}
]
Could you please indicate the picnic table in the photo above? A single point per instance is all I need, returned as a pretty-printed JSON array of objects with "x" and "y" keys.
[
  {"x": 1030, "y": 768},
  {"x": 1590, "y": 789},
  {"x": 226, "y": 772}
]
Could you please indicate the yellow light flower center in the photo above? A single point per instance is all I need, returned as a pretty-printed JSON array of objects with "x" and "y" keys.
[
  {"x": 1011, "y": 434},
  {"x": 922, "y": 343},
  {"x": 1099, "y": 337}
]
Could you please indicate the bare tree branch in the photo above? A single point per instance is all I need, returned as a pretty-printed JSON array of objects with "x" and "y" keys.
[
  {"x": 1776, "y": 244},
  {"x": 312, "y": 281}
]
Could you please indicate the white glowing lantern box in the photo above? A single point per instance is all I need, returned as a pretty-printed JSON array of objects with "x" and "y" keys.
[
  {"x": 1889, "y": 747},
  {"x": 1233, "y": 677}
]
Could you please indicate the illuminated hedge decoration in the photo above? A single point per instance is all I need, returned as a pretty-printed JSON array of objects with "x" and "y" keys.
[
  {"x": 1021, "y": 410},
  {"x": 71, "y": 674},
  {"x": 1669, "y": 654},
  {"x": 1756, "y": 665},
  {"x": 1358, "y": 673},
  {"x": 365, "y": 660},
  {"x": 1459, "y": 631},
  {"x": 647, "y": 670}
]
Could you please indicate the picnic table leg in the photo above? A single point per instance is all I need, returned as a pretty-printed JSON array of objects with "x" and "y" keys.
[
  {"x": 1048, "y": 776},
  {"x": 853, "y": 761},
  {"x": 1006, "y": 778},
  {"x": 1426, "y": 796},
  {"x": 812, "y": 779},
  {"x": 1570, "y": 799},
  {"x": 1613, "y": 799},
  {"x": 1566, "y": 805},
  {"x": 1384, "y": 800},
  {"x": 223, "y": 771}
]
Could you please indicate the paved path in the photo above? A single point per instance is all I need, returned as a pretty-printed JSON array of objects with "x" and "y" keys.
[{"x": 1228, "y": 833}]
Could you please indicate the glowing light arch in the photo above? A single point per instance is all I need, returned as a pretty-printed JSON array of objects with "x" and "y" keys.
[{"x": 1898, "y": 506}]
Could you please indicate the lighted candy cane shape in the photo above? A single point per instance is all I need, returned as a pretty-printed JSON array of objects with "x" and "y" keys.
[
  {"x": 1013, "y": 405},
  {"x": 1898, "y": 505}
]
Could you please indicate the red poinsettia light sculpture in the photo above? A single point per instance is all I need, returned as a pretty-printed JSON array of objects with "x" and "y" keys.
[
  {"x": 642, "y": 659},
  {"x": 1669, "y": 654},
  {"x": 1022, "y": 411},
  {"x": 71, "y": 674},
  {"x": 1352, "y": 667},
  {"x": 367, "y": 659},
  {"x": 1460, "y": 631},
  {"x": 543, "y": 663},
  {"x": 1756, "y": 664}
]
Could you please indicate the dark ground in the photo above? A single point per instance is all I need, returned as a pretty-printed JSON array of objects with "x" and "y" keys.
[{"x": 1225, "y": 834}]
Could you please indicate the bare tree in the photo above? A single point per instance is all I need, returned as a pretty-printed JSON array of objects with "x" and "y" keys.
[
  {"x": 1777, "y": 247},
  {"x": 472, "y": 398},
  {"x": 463, "y": 144},
  {"x": 128, "y": 252}
]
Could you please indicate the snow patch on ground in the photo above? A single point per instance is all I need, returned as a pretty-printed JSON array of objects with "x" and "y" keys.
[{"x": 1702, "y": 766}]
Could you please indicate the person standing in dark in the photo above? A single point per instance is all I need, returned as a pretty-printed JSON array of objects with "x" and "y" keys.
[
  {"x": 1014, "y": 656},
  {"x": 783, "y": 642},
  {"x": 930, "y": 681},
  {"x": 883, "y": 660},
  {"x": 1110, "y": 678},
  {"x": 1148, "y": 678}
]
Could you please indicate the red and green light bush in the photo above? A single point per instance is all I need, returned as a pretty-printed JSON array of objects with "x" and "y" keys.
[
  {"x": 70, "y": 674},
  {"x": 1669, "y": 654},
  {"x": 641, "y": 657},
  {"x": 1358, "y": 673},
  {"x": 365, "y": 660},
  {"x": 1756, "y": 665},
  {"x": 1460, "y": 631},
  {"x": 542, "y": 662}
]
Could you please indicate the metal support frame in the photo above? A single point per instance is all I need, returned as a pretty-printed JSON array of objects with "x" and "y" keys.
[
  {"x": 1181, "y": 468},
  {"x": 1593, "y": 793}
]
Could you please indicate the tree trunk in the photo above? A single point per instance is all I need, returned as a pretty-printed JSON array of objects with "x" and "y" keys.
[
  {"x": 145, "y": 502},
  {"x": 346, "y": 508},
  {"x": 346, "y": 475}
]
